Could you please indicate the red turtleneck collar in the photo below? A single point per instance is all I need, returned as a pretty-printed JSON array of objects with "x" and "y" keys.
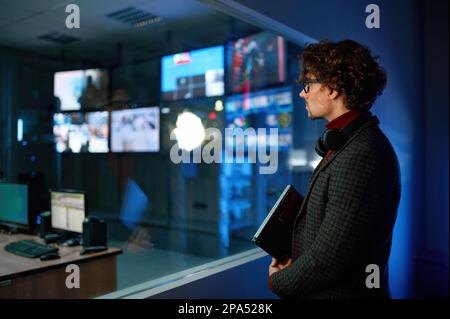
[{"x": 341, "y": 122}]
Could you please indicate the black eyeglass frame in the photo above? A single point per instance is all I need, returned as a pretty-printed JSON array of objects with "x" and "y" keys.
[{"x": 305, "y": 84}]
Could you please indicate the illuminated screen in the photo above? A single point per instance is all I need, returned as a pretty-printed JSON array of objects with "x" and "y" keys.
[
  {"x": 264, "y": 109},
  {"x": 256, "y": 62},
  {"x": 68, "y": 211},
  {"x": 193, "y": 74},
  {"x": 81, "y": 132},
  {"x": 75, "y": 90},
  {"x": 14, "y": 203},
  {"x": 135, "y": 130}
]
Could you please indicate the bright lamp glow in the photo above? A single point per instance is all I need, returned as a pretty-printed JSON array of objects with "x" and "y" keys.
[
  {"x": 218, "y": 106},
  {"x": 189, "y": 132}
]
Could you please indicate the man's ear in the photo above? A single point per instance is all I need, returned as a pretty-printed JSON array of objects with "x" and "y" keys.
[{"x": 333, "y": 93}]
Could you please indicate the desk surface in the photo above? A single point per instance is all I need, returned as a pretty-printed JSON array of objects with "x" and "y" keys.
[{"x": 12, "y": 265}]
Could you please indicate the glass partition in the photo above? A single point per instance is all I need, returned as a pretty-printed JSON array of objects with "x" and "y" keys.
[{"x": 197, "y": 126}]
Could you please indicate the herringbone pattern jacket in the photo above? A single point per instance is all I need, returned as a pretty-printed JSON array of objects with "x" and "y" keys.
[{"x": 345, "y": 222}]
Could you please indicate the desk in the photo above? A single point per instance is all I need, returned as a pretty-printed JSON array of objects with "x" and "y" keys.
[{"x": 22, "y": 277}]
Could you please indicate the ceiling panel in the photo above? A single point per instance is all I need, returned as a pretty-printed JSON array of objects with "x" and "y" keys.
[
  {"x": 191, "y": 24},
  {"x": 31, "y": 5},
  {"x": 10, "y": 14}
]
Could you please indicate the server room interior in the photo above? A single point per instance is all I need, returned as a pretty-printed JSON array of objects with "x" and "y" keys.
[{"x": 165, "y": 217}]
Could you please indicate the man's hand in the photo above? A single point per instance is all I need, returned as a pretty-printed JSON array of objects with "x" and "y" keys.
[{"x": 277, "y": 265}]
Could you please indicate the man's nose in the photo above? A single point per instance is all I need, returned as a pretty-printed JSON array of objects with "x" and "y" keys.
[{"x": 302, "y": 94}]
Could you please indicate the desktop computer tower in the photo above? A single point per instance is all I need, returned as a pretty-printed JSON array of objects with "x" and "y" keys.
[
  {"x": 38, "y": 197},
  {"x": 44, "y": 224}
]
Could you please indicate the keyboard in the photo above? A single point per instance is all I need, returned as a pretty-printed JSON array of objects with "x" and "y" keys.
[{"x": 29, "y": 248}]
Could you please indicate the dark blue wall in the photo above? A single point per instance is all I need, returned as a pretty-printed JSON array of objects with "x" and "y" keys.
[{"x": 436, "y": 125}]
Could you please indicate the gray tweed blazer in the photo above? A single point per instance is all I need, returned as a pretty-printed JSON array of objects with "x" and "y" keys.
[{"x": 345, "y": 222}]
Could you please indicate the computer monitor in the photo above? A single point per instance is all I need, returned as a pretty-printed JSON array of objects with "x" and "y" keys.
[
  {"x": 68, "y": 210},
  {"x": 193, "y": 74},
  {"x": 81, "y": 89},
  {"x": 135, "y": 130},
  {"x": 14, "y": 205},
  {"x": 77, "y": 132},
  {"x": 256, "y": 62}
]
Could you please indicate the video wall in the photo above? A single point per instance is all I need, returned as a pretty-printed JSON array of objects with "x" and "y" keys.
[
  {"x": 81, "y": 132},
  {"x": 257, "y": 62},
  {"x": 133, "y": 130}
]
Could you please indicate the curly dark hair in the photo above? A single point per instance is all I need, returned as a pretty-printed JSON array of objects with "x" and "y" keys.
[{"x": 347, "y": 67}]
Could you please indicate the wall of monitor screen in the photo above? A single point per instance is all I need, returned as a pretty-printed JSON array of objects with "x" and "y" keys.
[
  {"x": 88, "y": 121},
  {"x": 118, "y": 110}
]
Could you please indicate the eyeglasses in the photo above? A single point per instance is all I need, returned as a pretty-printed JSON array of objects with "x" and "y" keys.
[{"x": 305, "y": 84}]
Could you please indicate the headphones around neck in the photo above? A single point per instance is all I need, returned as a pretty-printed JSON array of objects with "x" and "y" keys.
[{"x": 333, "y": 139}]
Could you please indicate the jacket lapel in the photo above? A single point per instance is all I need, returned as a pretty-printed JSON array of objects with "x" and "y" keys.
[{"x": 322, "y": 165}]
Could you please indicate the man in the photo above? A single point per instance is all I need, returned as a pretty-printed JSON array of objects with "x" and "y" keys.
[{"x": 345, "y": 224}]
